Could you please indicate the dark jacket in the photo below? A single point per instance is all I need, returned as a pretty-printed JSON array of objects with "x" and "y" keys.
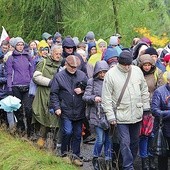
[
  {"x": 19, "y": 69},
  {"x": 3, "y": 81},
  {"x": 62, "y": 95},
  {"x": 68, "y": 42},
  {"x": 161, "y": 107},
  {"x": 93, "y": 89}
]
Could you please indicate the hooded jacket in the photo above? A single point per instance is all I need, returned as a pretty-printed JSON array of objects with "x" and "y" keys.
[
  {"x": 154, "y": 77},
  {"x": 68, "y": 42},
  {"x": 93, "y": 89},
  {"x": 43, "y": 76},
  {"x": 98, "y": 56}
]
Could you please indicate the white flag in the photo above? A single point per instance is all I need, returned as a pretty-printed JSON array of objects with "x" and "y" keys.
[{"x": 4, "y": 35}]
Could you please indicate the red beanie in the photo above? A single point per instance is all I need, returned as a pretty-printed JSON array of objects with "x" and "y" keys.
[{"x": 167, "y": 57}]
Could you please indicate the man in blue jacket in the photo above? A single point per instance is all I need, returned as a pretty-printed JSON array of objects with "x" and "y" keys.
[{"x": 66, "y": 100}]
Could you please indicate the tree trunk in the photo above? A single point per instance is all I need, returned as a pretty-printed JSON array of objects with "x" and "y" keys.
[{"x": 116, "y": 16}]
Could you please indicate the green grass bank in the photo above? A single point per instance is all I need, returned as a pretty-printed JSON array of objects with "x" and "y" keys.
[{"x": 16, "y": 154}]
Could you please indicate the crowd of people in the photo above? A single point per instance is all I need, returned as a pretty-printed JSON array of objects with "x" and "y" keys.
[{"x": 89, "y": 90}]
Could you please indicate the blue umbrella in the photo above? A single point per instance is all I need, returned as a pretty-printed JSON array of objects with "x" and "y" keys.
[{"x": 10, "y": 104}]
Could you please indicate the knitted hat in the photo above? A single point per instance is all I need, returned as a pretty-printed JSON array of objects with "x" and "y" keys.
[
  {"x": 151, "y": 51},
  {"x": 17, "y": 40},
  {"x": 57, "y": 35},
  {"x": 11, "y": 41},
  {"x": 146, "y": 40},
  {"x": 113, "y": 40},
  {"x": 110, "y": 53},
  {"x": 73, "y": 60},
  {"x": 46, "y": 36},
  {"x": 146, "y": 58},
  {"x": 125, "y": 58},
  {"x": 76, "y": 40},
  {"x": 90, "y": 35},
  {"x": 42, "y": 44},
  {"x": 166, "y": 57}
]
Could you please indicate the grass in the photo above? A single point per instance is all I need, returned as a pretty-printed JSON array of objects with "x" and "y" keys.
[{"x": 16, "y": 154}]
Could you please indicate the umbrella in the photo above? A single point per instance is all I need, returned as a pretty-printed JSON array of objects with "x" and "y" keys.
[{"x": 10, "y": 104}]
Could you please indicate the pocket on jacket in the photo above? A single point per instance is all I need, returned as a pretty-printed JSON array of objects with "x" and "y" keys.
[{"x": 139, "y": 112}]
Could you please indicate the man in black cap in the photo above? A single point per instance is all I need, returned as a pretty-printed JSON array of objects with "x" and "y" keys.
[{"x": 135, "y": 100}]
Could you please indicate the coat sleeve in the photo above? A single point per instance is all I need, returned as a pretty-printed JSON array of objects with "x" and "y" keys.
[
  {"x": 38, "y": 77},
  {"x": 54, "y": 94},
  {"x": 144, "y": 93},
  {"x": 156, "y": 106},
  {"x": 9, "y": 72},
  {"x": 107, "y": 104},
  {"x": 88, "y": 94},
  {"x": 3, "y": 78},
  {"x": 31, "y": 66}
]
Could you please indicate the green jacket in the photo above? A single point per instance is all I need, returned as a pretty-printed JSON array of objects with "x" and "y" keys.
[{"x": 42, "y": 77}]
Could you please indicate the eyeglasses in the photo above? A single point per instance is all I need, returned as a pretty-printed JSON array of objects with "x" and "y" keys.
[
  {"x": 20, "y": 45},
  {"x": 74, "y": 67},
  {"x": 44, "y": 49},
  {"x": 68, "y": 47}
]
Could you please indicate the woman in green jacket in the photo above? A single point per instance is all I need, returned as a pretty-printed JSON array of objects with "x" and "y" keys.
[{"x": 43, "y": 76}]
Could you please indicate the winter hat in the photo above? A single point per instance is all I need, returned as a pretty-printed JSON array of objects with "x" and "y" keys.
[
  {"x": 146, "y": 40},
  {"x": 151, "y": 51},
  {"x": 11, "y": 41},
  {"x": 118, "y": 35},
  {"x": 146, "y": 58},
  {"x": 42, "y": 44},
  {"x": 100, "y": 66},
  {"x": 125, "y": 58},
  {"x": 110, "y": 53},
  {"x": 17, "y": 40},
  {"x": 57, "y": 35},
  {"x": 91, "y": 45},
  {"x": 90, "y": 35},
  {"x": 113, "y": 40},
  {"x": 46, "y": 36},
  {"x": 76, "y": 40},
  {"x": 166, "y": 57},
  {"x": 73, "y": 60}
]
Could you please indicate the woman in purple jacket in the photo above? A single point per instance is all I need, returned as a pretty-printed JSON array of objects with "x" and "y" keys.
[{"x": 19, "y": 73}]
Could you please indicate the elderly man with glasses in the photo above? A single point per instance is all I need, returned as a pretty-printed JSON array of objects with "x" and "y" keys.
[{"x": 66, "y": 100}]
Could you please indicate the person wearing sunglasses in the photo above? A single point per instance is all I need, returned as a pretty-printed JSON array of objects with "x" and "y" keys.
[{"x": 69, "y": 48}]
